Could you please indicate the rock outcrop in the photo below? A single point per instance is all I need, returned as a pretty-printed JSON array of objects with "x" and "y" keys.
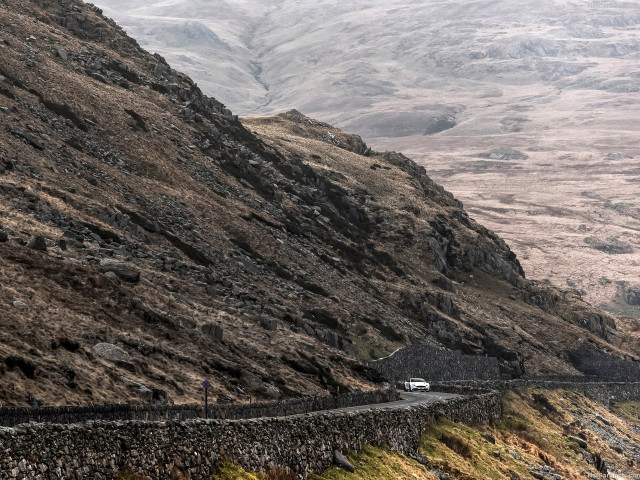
[{"x": 632, "y": 294}]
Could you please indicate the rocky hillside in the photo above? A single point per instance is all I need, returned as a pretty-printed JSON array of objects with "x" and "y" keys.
[{"x": 150, "y": 239}]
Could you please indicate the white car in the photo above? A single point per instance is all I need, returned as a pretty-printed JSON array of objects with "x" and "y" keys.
[{"x": 416, "y": 384}]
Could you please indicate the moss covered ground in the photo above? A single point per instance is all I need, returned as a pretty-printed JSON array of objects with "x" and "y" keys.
[
  {"x": 376, "y": 464},
  {"x": 630, "y": 411}
]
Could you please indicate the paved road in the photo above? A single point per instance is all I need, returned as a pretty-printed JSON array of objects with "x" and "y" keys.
[{"x": 407, "y": 399}]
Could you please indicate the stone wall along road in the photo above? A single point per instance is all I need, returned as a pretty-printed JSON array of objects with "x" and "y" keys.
[
  {"x": 11, "y": 416},
  {"x": 434, "y": 363},
  {"x": 305, "y": 443}
]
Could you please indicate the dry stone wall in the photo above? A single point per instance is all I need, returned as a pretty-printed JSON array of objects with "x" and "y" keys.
[
  {"x": 301, "y": 405},
  {"x": 11, "y": 416},
  {"x": 605, "y": 367},
  {"x": 603, "y": 392},
  {"x": 435, "y": 364},
  {"x": 305, "y": 443}
]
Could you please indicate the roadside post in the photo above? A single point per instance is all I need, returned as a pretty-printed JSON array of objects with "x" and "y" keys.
[{"x": 206, "y": 384}]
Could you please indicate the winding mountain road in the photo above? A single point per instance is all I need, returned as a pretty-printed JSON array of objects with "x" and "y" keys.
[{"x": 406, "y": 399}]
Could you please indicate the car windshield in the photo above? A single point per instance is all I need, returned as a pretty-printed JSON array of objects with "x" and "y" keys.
[{"x": 416, "y": 380}]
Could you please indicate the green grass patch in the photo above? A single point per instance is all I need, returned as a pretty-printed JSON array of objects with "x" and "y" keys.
[
  {"x": 376, "y": 464},
  {"x": 630, "y": 411}
]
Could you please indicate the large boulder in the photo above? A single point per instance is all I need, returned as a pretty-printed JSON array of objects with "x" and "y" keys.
[
  {"x": 161, "y": 397},
  {"x": 343, "y": 462},
  {"x": 114, "y": 354},
  {"x": 187, "y": 322},
  {"x": 145, "y": 394},
  {"x": 269, "y": 323},
  {"x": 38, "y": 243},
  {"x": 580, "y": 441},
  {"x": 123, "y": 271},
  {"x": 444, "y": 283},
  {"x": 255, "y": 386},
  {"x": 632, "y": 295}
]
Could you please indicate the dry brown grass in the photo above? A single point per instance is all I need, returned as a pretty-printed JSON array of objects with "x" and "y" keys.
[
  {"x": 280, "y": 473},
  {"x": 457, "y": 444},
  {"x": 127, "y": 473}
]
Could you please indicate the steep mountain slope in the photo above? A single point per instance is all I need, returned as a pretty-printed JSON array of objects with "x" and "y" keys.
[
  {"x": 149, "y": 239},
  {"x": 452, "y": 83}
]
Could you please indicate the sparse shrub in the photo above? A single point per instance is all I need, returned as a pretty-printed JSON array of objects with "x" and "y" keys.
[
  {"x": 541, "y": 402},
  {"x": 279, "y": 473},
  {"x": 127, "y": 473},
  {"x": 373, "y": 353},
  {"x": 176, "y": 474},
  {"x": 26, "y": 366},
  {"x": 532, "y": 439},
  {"x": 546, "y": 459},
  {"x": 457, "y": 444}
]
